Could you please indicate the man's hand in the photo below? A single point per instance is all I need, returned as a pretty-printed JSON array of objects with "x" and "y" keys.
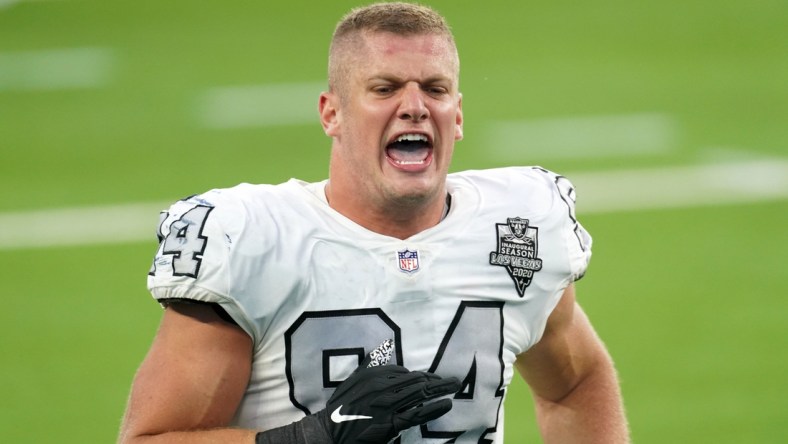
[{"x": 375, "y": 404}]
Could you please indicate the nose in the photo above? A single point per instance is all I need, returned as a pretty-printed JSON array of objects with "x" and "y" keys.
[{"x": 413, "y": 106}]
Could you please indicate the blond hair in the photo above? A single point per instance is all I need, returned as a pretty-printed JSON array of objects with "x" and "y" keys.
[{"x": 405, "y": 19}]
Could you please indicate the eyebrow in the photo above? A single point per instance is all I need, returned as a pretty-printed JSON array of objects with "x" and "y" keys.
[{"x": 390, "y": 78}]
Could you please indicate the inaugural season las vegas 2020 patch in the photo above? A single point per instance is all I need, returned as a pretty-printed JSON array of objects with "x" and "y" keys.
[{"x": 518, "y": 246}]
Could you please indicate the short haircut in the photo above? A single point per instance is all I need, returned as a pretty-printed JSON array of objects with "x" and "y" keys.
[{"x": 405, "y": 19}]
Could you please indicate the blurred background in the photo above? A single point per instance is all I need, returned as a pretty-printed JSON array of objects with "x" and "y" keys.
[{"x": 670, "y": 117}]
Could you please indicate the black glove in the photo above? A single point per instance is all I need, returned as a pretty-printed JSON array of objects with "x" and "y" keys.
[{"x": 373, "y": 405}]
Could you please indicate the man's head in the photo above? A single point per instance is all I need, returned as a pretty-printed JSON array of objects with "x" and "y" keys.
[
  {"x": 393, "y": 111},
  {"x": 403, "y": 19}
]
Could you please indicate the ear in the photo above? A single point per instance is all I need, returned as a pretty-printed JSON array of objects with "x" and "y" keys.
[
  {"x": 329, "y": 113},
  {"x": 458, "y": 119}
]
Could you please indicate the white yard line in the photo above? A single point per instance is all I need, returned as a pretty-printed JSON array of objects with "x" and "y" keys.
[
  {"x": 260, "y": 105},
  {"x": 54, "y": 69},
  {"x": 7, "y": 3},
  {"x": 80, "y": 225},
  {"x": 581, "y": 136},
  {"x": 598, "y": 192},
  {"x": 681, "y": 187}
]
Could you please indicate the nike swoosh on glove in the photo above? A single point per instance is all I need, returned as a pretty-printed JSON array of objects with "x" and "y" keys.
[{"x": 375, "y": 404}]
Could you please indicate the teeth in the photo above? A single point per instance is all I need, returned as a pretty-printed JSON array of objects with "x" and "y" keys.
[
  {"x": 410, "y": 162},
  {"x": 412, "y": 138}
]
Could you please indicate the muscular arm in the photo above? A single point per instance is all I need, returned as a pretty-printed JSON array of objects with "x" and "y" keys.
[
  {"x": 573, "y": 381},
  {"x": 191, "y": 382}
]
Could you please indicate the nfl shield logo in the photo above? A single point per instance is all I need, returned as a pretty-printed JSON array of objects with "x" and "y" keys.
[{"x": 408, "y": 261}]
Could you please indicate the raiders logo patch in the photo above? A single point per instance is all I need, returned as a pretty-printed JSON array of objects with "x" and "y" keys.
[{"x": 518, "y": 247}]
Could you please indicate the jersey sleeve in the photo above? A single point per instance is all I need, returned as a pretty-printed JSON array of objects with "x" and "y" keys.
[
  {"x": 194, "y": 255},
  {"x": 577, "y": 240}
]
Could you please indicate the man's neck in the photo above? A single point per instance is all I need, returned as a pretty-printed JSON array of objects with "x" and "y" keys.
[{"x": 400, "y": 221}]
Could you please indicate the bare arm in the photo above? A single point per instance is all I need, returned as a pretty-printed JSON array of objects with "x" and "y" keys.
[
  {"x": 191, "y": 382},
  {"x": 573, "y": 381}
]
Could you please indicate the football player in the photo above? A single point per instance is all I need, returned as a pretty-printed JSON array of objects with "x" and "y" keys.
[{"x": 392, "y": 301}]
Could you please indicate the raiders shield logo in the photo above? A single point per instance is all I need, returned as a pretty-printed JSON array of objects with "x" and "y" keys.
[{"x": 518, "y": 246}]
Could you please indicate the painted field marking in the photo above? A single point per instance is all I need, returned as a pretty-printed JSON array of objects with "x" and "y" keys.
[
  {"x": 7, "y": 3},
  {"x": 581, "y": 137},
  {"x": 681, "y": 186},
  {"x": 599, "y": 192},
  {"x": 260, "y": 105},
  {"x": 54, "y": 69},
  {"x": 94, "y": 225}
]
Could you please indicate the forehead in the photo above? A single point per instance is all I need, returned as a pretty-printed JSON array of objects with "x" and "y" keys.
[
  {"x": 387, "y": 42},
  {"x": 427, "y": 54}
]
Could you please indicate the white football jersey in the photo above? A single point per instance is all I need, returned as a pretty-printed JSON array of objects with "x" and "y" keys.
[{"x": 317, "y": 292}]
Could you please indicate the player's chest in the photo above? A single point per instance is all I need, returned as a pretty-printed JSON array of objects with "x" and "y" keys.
[{"x": 489, "y": 260}]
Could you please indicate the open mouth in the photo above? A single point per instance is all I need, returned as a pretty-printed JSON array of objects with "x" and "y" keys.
[{"x": 410, "y": 150}]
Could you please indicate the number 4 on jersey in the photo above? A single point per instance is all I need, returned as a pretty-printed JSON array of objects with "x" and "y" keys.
[
  {"x": 184, "y": 244},
  {"x": 472, "y": 351}
]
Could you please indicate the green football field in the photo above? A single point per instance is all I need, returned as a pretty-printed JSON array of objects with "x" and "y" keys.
[{"x": 671, "y": 118}]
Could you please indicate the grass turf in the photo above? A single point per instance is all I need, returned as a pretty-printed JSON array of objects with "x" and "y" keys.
[{"x": 690, "y": 302}]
